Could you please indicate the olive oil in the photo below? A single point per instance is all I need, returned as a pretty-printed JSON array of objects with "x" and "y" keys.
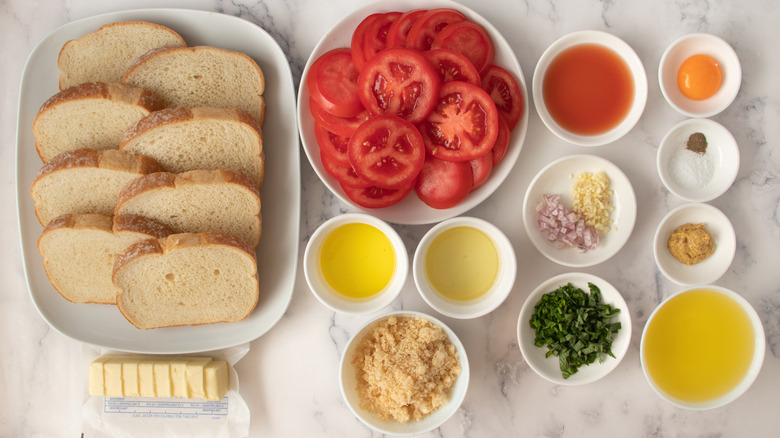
[{"x": 462, "y": 263}]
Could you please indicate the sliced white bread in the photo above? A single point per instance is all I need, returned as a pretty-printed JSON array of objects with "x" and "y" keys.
[
  {"x": 92, "y": 115},
  {"x": 197, "y": 201},
  {"x": 79, "y": 252},
  {"x": 105, "y": 54},
  {"x": 86, "y": 181},
  {"x": 201, "y": 76},
  {"x": 184, "y": 139},
  {"x": 186, "y": 279}
]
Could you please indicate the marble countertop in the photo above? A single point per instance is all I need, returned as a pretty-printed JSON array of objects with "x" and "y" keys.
[{"x": 289, "y": 377}]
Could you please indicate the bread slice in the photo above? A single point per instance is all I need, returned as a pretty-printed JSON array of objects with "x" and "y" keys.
[
  {"x": 92, "y": 115},
  {"x": 105, "y": 54},
  {"x": 186, "y": 279},
  {"x": 201, "y": 76},
  {"x": 86, "y": 181},
  {"x": 184, "y": 139},
  {"x": 197, "y": 201},
  {"x": 79, "y": 251}
]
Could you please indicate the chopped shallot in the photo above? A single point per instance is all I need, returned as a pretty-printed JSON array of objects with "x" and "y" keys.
[{"x": 563, "y": 227}]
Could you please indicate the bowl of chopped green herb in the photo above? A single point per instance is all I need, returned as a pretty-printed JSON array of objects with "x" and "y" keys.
[{"x": 574, "y": 329}]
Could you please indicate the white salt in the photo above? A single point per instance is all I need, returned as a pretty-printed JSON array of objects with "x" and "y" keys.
[{"x": 689, "y": 169}]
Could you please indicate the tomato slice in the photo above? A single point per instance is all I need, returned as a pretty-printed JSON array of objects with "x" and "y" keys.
[
  {"x": 332, "y": 82},
  {"x": 470, "y": 39},
  {"x": 429, "y": 24},
  {"x": 331, "y": 144},
  {"x": 375, "y": 38},
  {"x": 464, "y": 125},
  {"x": 453, "y": 66},
  {"x": 396, "y": 34},
  {"x": 343, "y": 126},
  {"x": 443, "y": 184},
  {"x": 502, "y": 142},
  {"x": 343, "y": 172},
  {"x": 481, "y": 168},
  {"x": 505, "y": 92},
  {"x": 358, "y": 40},
  {"x": 387, "y": 151},
  {"x": 376, "y": 197},
  {"x": 400, "y": 82}
]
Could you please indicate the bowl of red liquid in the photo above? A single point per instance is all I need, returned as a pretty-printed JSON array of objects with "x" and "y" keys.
[{"x": 589, "y": 88}]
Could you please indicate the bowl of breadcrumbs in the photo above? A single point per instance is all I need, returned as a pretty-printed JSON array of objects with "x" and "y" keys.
[{"x": 404, "y": 373}]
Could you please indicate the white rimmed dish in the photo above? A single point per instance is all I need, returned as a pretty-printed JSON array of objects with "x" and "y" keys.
[
  {"x": 689, "y": 45},
  {"x": 490, "y": 300},
  {"x": 556, "y": 179},
  {"x": 336, "y": 301},
  {"x": 751, "y": 373},
  {"x": 412, "y": 210},
  {"x": 348, "y": 383},
  {"x": 625, "y": 52},
  {"x": 712, "y": 268},
  {"x": 693, "y": 177},
  {"x": 277, "y": 255},
  {"x": 548, "y": 367}
]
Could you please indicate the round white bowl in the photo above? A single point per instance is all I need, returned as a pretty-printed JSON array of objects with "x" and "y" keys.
[
  {"x": 548, "y": 367},
  {"x": 712, "y": 268},
  {"x": 556, "y": 179},
  {"x": 505, "y": 278},
  {"x": 753, "y": 370},
  {"x": 333, "y": 299},
  {"x": 348, "y": 383},
  {"x": 625, "y": 52},
  {"x": 722, "y": 152},
  {"x": 411, "y": 210},
  {"x": 685, "y": 47}
]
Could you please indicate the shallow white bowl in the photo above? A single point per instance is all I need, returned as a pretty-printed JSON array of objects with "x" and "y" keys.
[
  {"x": 341, "y": 303},
  {"x": 722, "y": 152},
  {"x": 348, "y": 383},
  {"x": 753, "y": 370},
  {"x": 411, "y": 210},
  {"x": 709, "y": 270},
  {"x": 557, "y": 178},
  {"x": 625, "y": 52},
  {"x": 505, "y": 279},
  {"x": 548, "y": 367},
  {"x": 689, "y": 45}
]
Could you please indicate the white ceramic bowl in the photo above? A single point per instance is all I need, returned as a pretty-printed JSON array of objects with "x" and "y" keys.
[
  {"x": 712, "y": 268},
  {"x": 412, "y": 210},
  {"x": 752, "y": 372},
  {"x": 689, "y": 45},
  {"x": 337, "y": 301},
  {"x": 681, "y": 170},
  {"x": 548, "y": 367},
  {"x": 625, "y": 52},
  {"x": 505, "y": 278},
  {"x": 557, "y": 178},
  {"x": 348, "y": 383}
]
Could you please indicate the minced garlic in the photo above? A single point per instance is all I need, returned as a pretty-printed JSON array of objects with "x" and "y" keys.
[{"x": 593, "y": 199}]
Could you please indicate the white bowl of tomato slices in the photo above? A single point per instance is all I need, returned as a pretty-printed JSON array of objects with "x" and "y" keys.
[{"x": 390, "y": 133}]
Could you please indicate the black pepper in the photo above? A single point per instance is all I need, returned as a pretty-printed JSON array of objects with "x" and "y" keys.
[{"x": 697, "y": 142}]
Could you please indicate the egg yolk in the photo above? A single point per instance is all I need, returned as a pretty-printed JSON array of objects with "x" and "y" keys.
[{"x": 699, "y": 77}]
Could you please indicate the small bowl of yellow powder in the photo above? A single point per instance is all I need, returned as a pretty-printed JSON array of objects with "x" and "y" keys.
[{"x": 404, "y": 373}]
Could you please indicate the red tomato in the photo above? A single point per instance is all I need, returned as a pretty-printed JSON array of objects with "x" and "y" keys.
[
  {"x": 464, "y": 125},
  {"x": 387, "y": 151},
  {"x": 505, "y": 92},
  {"x": 429, "y": 24},
  {"x": 344, "y": 173},
  {"x": 332, "y": 82},
  {"x": 343, "y": 126},
  {"x": 453, "y": 66},
  {"x": 396, "y": 34},
  {"x": 400, "y": 82},
  {"x": 443, "y": 184},
  {"x": 481, "y": 168},
  {"x": 332, "y": 144},
  {"x": 358, "y": 41},
  {"x": 502, "y": 142},
  {"x": 376, "y": 197},
  {"x": 470, "y": 39},
  {"x": 375, "y": 38}
]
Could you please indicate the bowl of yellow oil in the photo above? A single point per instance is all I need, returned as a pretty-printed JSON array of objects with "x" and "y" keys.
[
  {"x": 464, "y": 267},
  {"x": 355, "y": 263},
  {"x": 702, "y": 348}
]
